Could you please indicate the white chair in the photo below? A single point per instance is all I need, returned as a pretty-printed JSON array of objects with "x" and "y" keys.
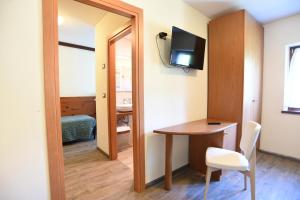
[{"x": 245, "y": 162}]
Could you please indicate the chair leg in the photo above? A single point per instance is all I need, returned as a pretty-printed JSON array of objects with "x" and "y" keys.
[
  {"x": 245, "y": 181},
  {"x": 252, "y": 173},
  {"x": 252, "y": 181},
  {"x": 208, "y": 175}
]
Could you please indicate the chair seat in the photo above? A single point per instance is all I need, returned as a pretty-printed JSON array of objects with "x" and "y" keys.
[{"x": 225, "y": 159}]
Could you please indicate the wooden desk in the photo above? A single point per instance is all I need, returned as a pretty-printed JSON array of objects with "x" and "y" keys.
[{"x": 201, "y": 136}]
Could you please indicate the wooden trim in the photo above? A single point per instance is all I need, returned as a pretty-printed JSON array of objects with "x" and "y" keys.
[
  {"x": 279, "y": 155},
  {"x": 112, "y": 117},
  {"x": 291, "y": 51},
  {"x": 138, "y": 100},
  {"x": 103, "y": 152},
  {"x": 175, "y": 172},
  {"x": 117, "y": 7},
  {"x": 290, "y": 112},
  {"x": 52, "y": 101},
  {"x": 66, "y": 44},
  {"x": 112, "y": 112},
  {"x": 293, "y": 109},
  {"x": 121, "y": 32},
  {"x": 51, "y": 84}
]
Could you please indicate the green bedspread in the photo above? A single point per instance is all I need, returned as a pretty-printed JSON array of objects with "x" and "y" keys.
[{"x": 77, "y": 127}]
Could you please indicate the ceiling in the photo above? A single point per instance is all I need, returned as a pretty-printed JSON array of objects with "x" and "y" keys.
[
  {"x": 79, "y": 22},
  {"x": 79, "y": 11},
  {"x": 264, "y": 11}
]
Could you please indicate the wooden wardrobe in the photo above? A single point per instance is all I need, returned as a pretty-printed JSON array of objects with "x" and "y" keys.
[{"x": 235, "y": 60}]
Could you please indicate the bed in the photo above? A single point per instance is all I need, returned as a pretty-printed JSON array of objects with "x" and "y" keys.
[
  {"x": 78, "y": 118},
  {"x": 78, "y": 127}
]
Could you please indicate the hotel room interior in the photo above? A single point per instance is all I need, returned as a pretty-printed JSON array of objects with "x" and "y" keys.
[{"x": 133, "y": 99}]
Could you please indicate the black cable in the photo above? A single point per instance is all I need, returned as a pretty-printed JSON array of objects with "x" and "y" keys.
[
  {"x": 186, "y": 70},
  {"x": 159, "y": 53}
]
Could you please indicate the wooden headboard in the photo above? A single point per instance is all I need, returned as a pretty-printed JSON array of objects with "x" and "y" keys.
[{"x": 78, "y": 106}]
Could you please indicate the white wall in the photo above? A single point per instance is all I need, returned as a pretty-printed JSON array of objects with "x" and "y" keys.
[
  {"x": 77, "y": 32},
  {"x": 77, "y": 72},
  {"x": 120, "y": 96},
  {"x": 124, "y": 64},
  {"x": 280, "y": 132},
  {"x": 109, "y": 23},
  {"x": 79, "y": 22},
  {"x": 23, "y": 150}
]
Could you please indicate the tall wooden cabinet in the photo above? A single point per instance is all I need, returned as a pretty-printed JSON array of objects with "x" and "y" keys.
[{"x": 235, "y": 69}]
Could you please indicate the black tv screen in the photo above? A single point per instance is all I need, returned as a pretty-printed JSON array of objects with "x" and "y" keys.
[{"x": 187, "y": 49}]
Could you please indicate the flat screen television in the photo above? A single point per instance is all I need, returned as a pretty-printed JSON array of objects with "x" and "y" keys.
[{"x": 187, "y": 49}]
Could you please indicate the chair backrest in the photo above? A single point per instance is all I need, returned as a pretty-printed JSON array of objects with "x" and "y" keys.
[{"x": 250, "y": 134}]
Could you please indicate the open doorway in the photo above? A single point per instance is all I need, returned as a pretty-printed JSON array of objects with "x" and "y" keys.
[
  {"x": 84, "y": 33},
  {"x": 53, "y": 101},
  {"x": 123, "y": 73},
  {"x": 120, "y": 92},
  {"x": 77, "y": 74},
  {"x": 123, "y": 83}
]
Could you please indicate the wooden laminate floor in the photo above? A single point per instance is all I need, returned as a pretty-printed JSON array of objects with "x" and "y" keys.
[{"x": 89, "y": 175}]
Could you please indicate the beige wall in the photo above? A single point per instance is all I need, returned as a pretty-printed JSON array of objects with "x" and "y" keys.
[
  {"x": 171, "y": 95},
  {"x": 23, "y": 151},
  {"x": 104, "y": 29},
  {"x": 77, "y": 75},
  {"x": 280, "y": 132}
]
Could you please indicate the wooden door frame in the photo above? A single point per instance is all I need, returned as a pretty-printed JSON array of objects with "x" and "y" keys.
[
  {"x": 111, "y": 74},
  {"x": 52, "y": 100}
]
